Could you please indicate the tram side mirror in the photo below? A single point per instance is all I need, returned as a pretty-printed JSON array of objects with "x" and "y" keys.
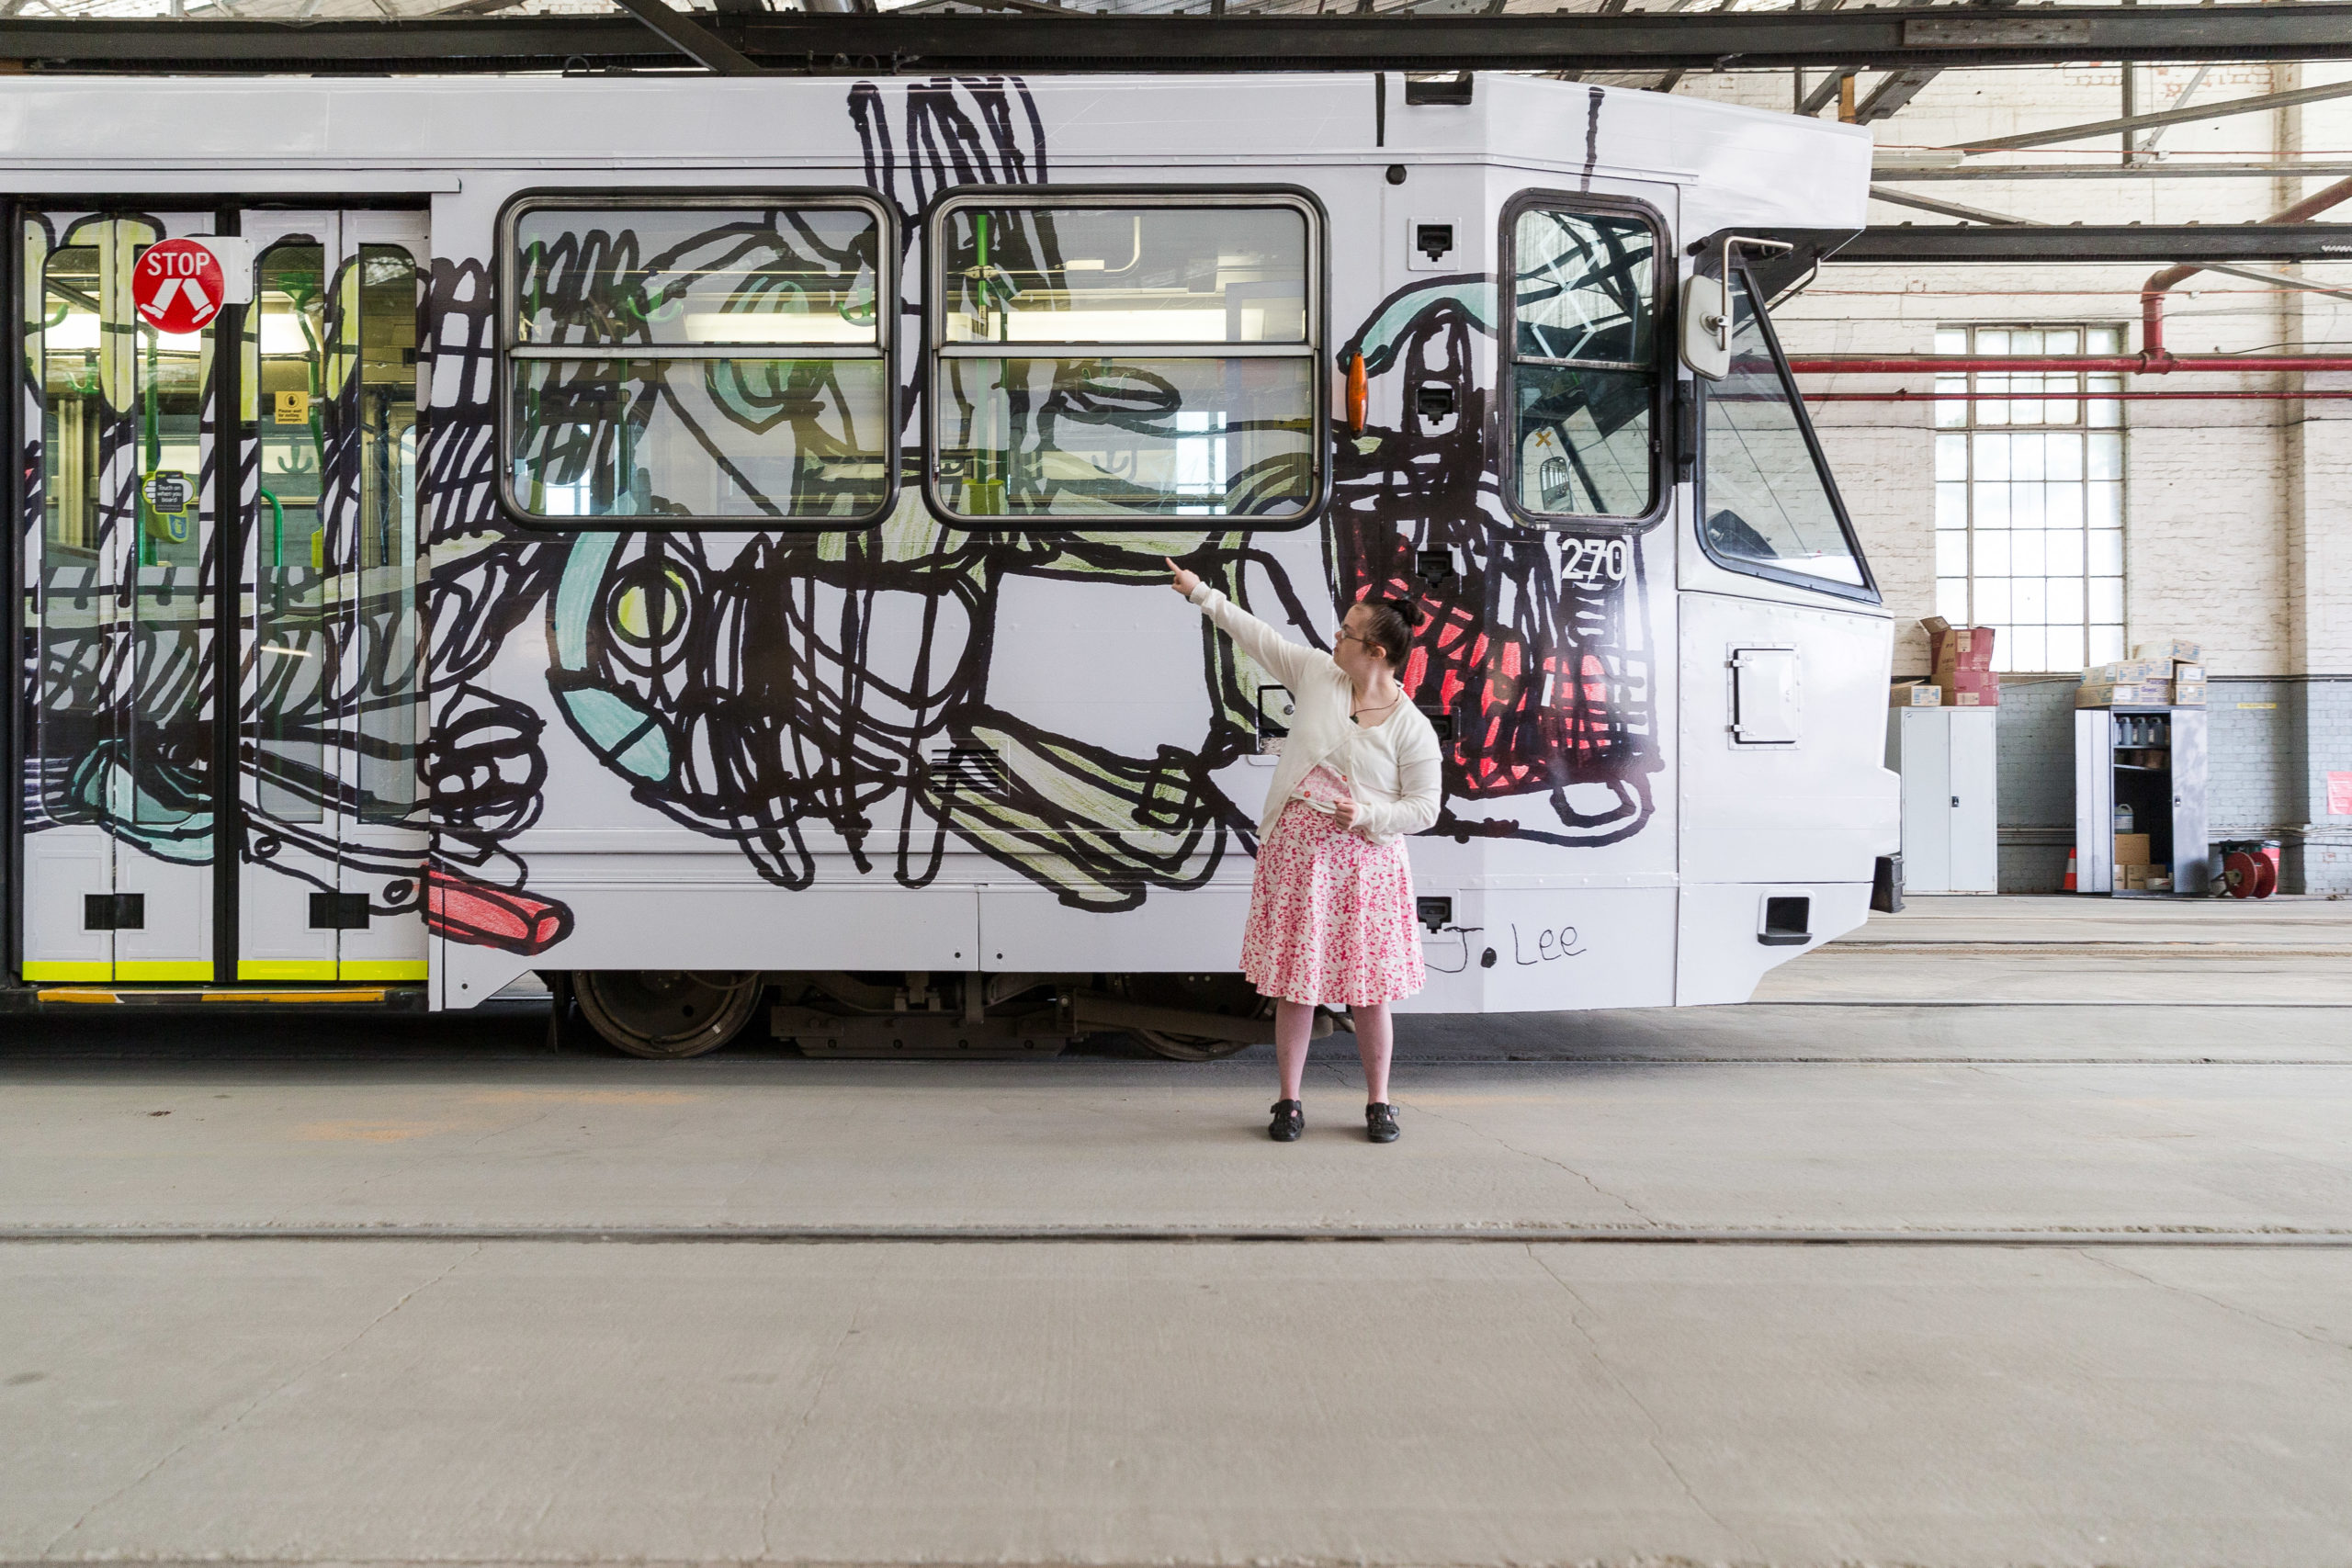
[{"x": 1706, "y": 326}]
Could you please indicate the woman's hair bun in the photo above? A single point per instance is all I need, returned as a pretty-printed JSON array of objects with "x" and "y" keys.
[
  {"x": 1412, "y": 613},
  {"x": 1388, "y": 624}
]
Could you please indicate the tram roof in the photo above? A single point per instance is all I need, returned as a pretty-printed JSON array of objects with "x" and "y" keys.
[{"x": 422, "y": 136}]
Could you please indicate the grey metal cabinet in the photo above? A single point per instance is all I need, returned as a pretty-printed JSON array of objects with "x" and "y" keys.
[
  {"x": 2152, "y": 760},
  {"x": 1950, "y": 797}
]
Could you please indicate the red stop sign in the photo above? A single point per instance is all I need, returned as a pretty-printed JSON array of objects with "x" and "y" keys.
[{"x": 177, "y": 286}]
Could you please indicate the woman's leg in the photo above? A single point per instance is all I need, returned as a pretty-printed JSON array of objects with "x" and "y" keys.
[
  {"x": 1293, "y": 1027},
  {"x": 1375, "y": 1040}
]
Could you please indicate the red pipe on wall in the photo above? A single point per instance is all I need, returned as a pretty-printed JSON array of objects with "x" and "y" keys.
[
  {"x": 2124, "y": 396},
  {"x": 2153, "y": 358},
  {"x": 2152, "y": 293},
  {"x": 2095, "y": 364}
]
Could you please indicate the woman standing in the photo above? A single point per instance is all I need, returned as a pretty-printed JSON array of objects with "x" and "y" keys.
[{"x": 1331, "y": 910}]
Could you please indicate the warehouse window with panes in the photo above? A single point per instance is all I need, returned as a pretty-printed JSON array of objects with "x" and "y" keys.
[{"x": 2029, "y": 499}]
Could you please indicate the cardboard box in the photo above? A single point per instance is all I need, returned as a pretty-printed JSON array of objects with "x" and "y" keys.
[
  {"x": 1958, "y": 647},
  {"x": 2177, "y": 650},
  {"x": 2131, "y": 878},
  {"x": 1916, "y": 694},
  {"x": 1969, "y": 687},
  {"x": 2160, "y": 879},
  {"x": 2139, "y": 694},
  {"x": 2183, "y": 671},
  {"x": 2128, "y": 672},
  {"x": 2188, "y": 693},
  {"x": 2130, "y": 849}
]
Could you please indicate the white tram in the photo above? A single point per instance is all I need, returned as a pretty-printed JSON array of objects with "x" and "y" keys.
[{"x": 700, "y": 541}]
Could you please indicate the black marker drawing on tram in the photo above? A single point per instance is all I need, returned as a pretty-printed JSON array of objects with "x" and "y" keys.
[{"x": 719, "y": 585}]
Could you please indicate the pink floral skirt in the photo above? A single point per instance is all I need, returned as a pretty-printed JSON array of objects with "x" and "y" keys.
[{"x": 1330, "y": 913}]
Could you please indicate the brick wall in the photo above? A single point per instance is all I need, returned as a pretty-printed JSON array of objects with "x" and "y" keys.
[{"x": 2253, "y": 780}]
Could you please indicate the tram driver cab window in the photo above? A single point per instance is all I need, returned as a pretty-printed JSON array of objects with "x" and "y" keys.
[
  {"x": 1766, "y": 504},
  {"x": 1126, "y": 359},
  {"x": 714, "y": 361},
  {"x": 1584, "y": 372}
]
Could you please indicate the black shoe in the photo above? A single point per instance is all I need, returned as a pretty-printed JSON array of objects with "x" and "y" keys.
[
  {"x": 1290, "y": 1120},
  {"x": 1380, "y": 1121}
]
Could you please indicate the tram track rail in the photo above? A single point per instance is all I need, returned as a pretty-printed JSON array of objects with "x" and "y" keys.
[{"x": 2153, "y": 1236}]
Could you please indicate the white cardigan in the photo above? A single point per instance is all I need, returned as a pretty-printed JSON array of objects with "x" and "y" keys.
[{"x": 1392, "y": 767}]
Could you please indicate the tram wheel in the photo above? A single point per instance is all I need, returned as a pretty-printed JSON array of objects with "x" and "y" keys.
[
  {"x": 666, "y": 1013},
  {"x": 1231, "y": 995}
]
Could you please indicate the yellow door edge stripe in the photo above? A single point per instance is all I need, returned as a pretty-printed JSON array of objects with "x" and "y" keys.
[{"x": 69, "y": 970}]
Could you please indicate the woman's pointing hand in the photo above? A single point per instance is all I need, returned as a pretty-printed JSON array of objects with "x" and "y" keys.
[{"x": 1183, "y": 582}]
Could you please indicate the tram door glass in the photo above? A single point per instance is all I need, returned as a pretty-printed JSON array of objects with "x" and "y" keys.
[
  {"x": 119, "y": 814},
  {"x": 1584, "y": 374},
  {"x": 290, "y": 652},
  {"x": 380, "y": 315},
  {"x": 332, "y": 883}
]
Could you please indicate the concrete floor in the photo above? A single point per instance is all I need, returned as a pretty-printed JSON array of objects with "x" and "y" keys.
[{"x": 1985, "y": 1274}]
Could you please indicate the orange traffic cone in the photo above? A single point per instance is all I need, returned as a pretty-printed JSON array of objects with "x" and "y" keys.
[{"x": 2070, "y": 885}]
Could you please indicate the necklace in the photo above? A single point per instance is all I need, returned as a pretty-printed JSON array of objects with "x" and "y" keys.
[{"x": 1356, "y": 716}]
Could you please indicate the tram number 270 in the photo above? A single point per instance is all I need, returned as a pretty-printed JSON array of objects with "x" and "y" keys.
[{"x": 1589, "y": 560}]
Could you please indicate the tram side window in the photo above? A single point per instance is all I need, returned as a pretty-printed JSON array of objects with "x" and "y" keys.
[
  {"x": 376, "y": 360},
  {"x": 1127, "y": 362},
  {"x": 286, "y": 345},
  {"x": 1766, "y": 502},
  {"x": 79, "y": 362},
  {"x": 720, "y": 362},
  {"x": 72, "y": 408},
  {"x": 1584, "y": 362}
]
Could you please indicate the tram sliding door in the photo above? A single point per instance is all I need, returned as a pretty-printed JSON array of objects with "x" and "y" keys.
[
  {"x": 148, "y": 493},
  {"x": 331, "y": 880},
  {"x": 123, "y": 569}
]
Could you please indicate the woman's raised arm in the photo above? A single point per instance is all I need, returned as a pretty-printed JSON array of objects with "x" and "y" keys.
[{"x": 1286, "y": 661}]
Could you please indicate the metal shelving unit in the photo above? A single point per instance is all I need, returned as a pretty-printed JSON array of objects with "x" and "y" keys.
[{"x": 2152, "y": 759}]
